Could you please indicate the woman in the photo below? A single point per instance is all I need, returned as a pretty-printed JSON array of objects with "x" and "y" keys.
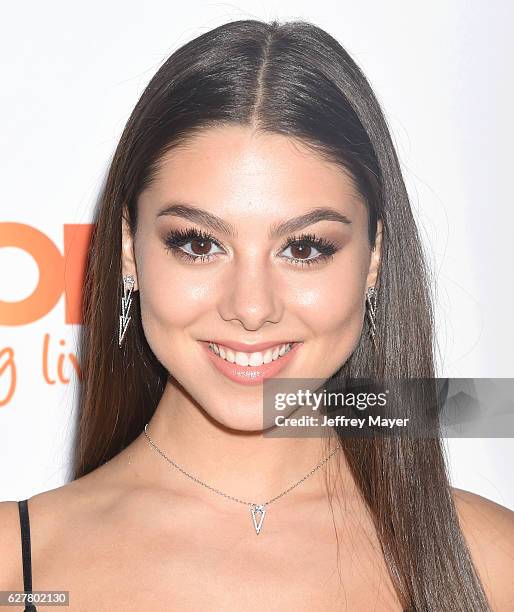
[{"x": 254, "y": 212}]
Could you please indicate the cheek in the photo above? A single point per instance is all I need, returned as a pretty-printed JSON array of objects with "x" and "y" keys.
[
  {"x": 333, "y": 304},
  {"x": 175, "y": 304},
  {"x": 170, "y": 296}
]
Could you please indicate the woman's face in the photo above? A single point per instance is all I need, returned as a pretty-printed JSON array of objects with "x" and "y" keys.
[{"x": 213, "y": 261}]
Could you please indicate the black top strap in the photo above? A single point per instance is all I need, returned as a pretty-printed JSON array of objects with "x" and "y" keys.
[{"x": 25, "y": 551}]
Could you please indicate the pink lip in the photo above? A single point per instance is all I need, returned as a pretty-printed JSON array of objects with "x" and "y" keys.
[{"x": 250, "y": 375}]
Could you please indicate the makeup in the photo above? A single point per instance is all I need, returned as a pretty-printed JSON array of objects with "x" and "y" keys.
[{"x": 176, "y": 241}]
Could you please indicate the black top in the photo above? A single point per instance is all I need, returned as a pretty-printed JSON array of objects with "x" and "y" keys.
[{"x": 25, "y": 551}]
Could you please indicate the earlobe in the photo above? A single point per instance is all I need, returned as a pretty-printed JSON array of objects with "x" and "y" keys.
[
  {"x": 376, "y": 252},
  {"x": 128, "y": 262}
]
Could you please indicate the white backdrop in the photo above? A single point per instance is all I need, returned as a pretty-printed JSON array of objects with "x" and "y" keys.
[{"x": 71, "y": 75}]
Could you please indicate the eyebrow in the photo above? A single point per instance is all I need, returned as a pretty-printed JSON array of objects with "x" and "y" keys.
[{"x": 205, "y": 218}]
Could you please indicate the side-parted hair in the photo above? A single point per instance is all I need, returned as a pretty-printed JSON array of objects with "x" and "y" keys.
[{"x": 296, "y": 80}]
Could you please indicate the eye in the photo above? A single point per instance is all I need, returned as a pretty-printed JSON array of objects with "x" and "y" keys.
[
  {"x": 302, "y": 247},
  {"x": 201, "y": 244}
]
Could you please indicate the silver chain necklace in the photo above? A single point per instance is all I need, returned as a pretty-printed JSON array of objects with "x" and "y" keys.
[{"x": 254, "y": 508}]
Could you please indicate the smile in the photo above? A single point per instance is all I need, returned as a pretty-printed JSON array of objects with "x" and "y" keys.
[
  {"x": 257, "y": 358},
  {"x": 250, "y": 368}
]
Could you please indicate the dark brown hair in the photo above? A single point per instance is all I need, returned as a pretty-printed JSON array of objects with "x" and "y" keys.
[{"x": 292, "y": 79}]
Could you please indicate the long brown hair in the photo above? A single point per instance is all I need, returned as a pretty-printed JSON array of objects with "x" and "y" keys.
[{"x": 292, "y": 79}]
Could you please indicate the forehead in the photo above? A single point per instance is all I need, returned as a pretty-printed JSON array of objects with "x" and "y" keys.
[{"x": 234, "y": 171}]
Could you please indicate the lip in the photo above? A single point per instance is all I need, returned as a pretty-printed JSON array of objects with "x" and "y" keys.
[
  {"x": 249, "y": 348},
  {"x": 250, "y": 375}
]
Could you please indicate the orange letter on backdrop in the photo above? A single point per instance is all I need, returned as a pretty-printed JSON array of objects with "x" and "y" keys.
[
  {"x": 8, "y": 363},
  {"x": 76, "y": 247},
  {"x": 56, "y": 273}
]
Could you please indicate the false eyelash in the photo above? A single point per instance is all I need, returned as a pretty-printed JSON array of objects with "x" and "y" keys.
[
  {"x": 324, "y": 246},
  {"x": 176, "y": 239}
]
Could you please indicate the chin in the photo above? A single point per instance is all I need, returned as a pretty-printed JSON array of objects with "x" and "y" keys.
[{"x": 239, "y": 417}]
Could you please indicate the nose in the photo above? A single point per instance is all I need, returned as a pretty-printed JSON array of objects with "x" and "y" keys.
[{"x": 250, "y": 296}]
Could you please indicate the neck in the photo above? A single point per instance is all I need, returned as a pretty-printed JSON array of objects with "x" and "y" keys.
[{"x": 241, "y": 464}]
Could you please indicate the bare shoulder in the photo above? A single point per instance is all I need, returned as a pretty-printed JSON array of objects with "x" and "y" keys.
[
  {"x": 484, "y": 518},
  {"x": 10, "y": 537},
  {"x": 488, "y": 528},
  {"x": 48, "y": 509},
  {"x": 52, "y": 513}
]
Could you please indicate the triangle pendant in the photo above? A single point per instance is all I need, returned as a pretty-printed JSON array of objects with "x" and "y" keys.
[{"x": 254, "y": 509}]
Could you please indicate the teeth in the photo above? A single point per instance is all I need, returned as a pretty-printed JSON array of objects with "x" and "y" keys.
[{"x": 250, "y": 359}]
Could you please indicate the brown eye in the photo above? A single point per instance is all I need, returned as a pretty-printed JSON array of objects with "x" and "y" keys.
[
  {"x": 307, "y": 249},
  {"x": 301, "y": 251},
  {"x": 192, "y": 244},
  {"x": 200, "y": 246}
]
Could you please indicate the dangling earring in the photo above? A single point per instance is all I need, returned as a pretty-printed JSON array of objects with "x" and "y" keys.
[
  {"x": 126, "y": 301},
  {"x": 371, "y": 301}
]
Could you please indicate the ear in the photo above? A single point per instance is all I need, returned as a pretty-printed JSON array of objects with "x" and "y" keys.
[
  {"x": 128, "y": 261},
  {"x": 374, "y": 264}
]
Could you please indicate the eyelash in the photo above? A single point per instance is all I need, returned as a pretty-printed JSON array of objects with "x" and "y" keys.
[{"x": 176, "y": 239}]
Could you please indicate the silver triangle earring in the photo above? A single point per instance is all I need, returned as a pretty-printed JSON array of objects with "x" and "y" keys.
[
  {"x": 371, "y": 302},
  {"x": 126, "y": 301}
]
